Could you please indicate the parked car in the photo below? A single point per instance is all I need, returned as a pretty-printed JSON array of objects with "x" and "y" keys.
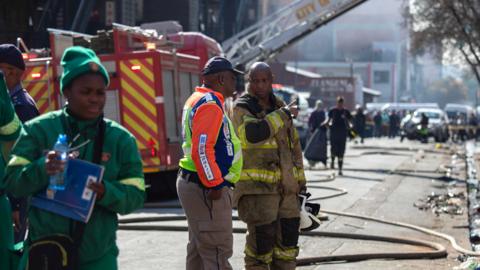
[
  {"x": 437, "y": 124},
  {"x": 374, "y": 106},
  {"x": 388, "y": 107},
  {"x": 459, "y": 113},
  {"x": 288, "y": 94}
]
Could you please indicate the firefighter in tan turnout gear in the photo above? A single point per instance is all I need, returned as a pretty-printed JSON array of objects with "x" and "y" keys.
[{"x": 272, "y": 176}]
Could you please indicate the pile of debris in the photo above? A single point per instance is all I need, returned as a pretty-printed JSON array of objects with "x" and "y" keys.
[
  {"x": 468, "y": 263},
  {"x": 448, "y": 203},
  {"x": 473, "y": 195}
]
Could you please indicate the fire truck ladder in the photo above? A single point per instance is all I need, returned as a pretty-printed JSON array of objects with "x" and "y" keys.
[{"x": 281, "y": 29}]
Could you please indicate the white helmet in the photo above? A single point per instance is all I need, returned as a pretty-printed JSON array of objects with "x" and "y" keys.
[{"x": 308, "y": 212}]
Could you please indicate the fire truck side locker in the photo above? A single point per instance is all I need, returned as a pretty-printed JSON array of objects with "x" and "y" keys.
[
  {"x": 37, "y": 78},
  {"x": 139, "y": 112},
  {"x": 153, "y": 85}
]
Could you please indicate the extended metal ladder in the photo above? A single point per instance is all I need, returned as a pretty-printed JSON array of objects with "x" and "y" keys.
[{"x": 277, "y": 31}]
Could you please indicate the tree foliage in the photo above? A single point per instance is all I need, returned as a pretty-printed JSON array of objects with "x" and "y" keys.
[
  {"x": 439, "y": 25},
  {"x": 448, "y": 90}
]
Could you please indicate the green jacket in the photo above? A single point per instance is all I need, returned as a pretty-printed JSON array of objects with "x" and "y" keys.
[
  {"x": 9, "y": 122},
  {"x": 10, "y": 127},
  {"x": 123, "y": 178}
]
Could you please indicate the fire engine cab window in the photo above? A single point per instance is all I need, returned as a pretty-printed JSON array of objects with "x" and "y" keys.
[
  {"x": 185, "y": 91},
  {"x": 112, "y": 110},
  {"x": 169, "y": 105},
  {"x": 195, "y": 80}
]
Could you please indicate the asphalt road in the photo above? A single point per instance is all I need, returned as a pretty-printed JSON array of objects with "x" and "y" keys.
[{"x": 384, "y": 178}]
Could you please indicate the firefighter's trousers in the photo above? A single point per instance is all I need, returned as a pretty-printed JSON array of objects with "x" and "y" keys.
[
  {"x": 273, "y": 223},
  {"x": 210, "y": 236}
]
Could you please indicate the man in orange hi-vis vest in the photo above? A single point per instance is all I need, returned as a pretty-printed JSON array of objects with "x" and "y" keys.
[{"x": 210, "y": 167}]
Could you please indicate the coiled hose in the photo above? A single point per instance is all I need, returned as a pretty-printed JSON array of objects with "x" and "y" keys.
[{"x": 437, "y": 250}]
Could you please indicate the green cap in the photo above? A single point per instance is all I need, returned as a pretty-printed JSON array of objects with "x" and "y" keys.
[{"x": 77, "y": 61}]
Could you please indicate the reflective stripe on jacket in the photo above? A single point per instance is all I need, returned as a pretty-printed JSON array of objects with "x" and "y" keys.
[
  {"x": 210, "y": 146},
  {"x": 271, "y": 143},
  {"x": 9, "y": 123}
]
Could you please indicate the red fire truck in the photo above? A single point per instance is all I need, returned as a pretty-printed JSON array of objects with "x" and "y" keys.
[{"x": 150, "y": 78}]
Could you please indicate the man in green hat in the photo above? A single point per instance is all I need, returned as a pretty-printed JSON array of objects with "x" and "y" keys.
[{"x": 122, "y": 190}]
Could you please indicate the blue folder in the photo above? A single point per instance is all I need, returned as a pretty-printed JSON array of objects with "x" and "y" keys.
[{"x": 76, "y": 201}]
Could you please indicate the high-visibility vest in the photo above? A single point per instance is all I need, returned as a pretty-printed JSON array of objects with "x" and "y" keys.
[{"x": 228, "y": 153}]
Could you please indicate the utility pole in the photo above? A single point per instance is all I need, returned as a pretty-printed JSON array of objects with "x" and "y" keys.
[
  {"x": 351, "y": 68},
  {"x": 476, "y": 99},
  {"x": 350, "y": 61}
]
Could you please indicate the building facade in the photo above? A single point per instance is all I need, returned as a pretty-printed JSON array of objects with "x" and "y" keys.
[{"x": 370, "y": 41}]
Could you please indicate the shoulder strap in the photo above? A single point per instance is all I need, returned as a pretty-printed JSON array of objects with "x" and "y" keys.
[
  {"x": 98, "y": 145},
  {"x": 97, "y": 158}
]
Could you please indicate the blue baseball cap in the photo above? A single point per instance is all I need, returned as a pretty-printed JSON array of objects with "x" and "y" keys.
[
  {"x": 218, "y": 64},
  {"x": 10, "y": 54}
]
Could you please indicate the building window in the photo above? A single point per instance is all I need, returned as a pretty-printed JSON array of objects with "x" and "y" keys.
[{"x": 381, "y": 76}]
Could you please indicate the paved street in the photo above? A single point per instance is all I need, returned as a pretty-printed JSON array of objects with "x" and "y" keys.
[{"x": 384, "y": 178}]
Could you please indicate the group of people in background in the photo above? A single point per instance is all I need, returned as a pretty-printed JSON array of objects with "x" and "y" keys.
[
  {"x": 341, "y": 125},
  {"x": 466, "y": 127},
  {"x": 387, "y": 123}
]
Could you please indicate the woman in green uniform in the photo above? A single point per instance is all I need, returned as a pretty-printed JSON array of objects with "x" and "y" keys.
[{"x": 83, "y": 83}]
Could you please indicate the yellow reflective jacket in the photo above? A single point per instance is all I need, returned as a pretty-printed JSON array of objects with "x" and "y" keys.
[{"x": 273, "y": 161}]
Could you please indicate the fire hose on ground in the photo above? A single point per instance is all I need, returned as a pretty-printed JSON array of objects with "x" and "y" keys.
[{"x": 437, "y": 250}]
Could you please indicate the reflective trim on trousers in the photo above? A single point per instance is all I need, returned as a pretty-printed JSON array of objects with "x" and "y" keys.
[
  {"x": 265, "y": 258},
  {"x": 287, "y": 254}
]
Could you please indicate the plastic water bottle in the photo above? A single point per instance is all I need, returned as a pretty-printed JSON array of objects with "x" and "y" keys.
[{"x": 57, "y": 181}]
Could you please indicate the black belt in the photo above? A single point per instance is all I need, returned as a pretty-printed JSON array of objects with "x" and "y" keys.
[{"x": 189, "y": 176}]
